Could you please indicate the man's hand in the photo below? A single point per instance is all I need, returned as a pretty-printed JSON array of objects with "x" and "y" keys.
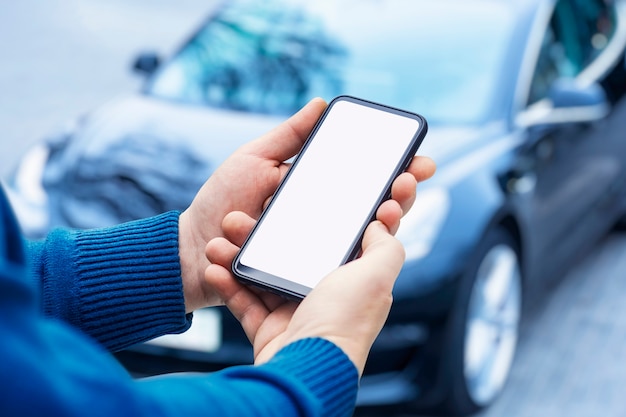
[{"x": 244, "y": 182}]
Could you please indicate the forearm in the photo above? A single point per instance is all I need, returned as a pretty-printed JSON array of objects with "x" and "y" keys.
[
  {"x": 121, "y": 285},
  {"x": 311, "y": 377}
]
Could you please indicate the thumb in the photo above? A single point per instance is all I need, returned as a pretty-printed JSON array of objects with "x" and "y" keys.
[
  {"x": 380, "y": 247},
  {"x": 286, "y": 140}
]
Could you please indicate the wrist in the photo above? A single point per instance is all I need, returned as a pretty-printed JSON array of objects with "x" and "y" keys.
[
  {"x": 193, "y": 263},
  {"x": 325, "y": 369},
  {"x": 123, "y": 277}
]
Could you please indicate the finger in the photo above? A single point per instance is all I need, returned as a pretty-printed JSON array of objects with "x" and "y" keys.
[
  {"x": 272, "y": 301},
  {"x": 286, "y": 139},
  {"x": 271, "y": 333},
  {"x": 221, "y": 251},
  {"x": 283, "y": 169},
  {"x": 422, "y": 168},
  {"x": 382, "y": 250},
  {"x": 246, "y": 306},
  {"x": 236, "y": 227},
  {"x": 390, "y": 213},
  {"x": 381, "y": 260},
  {"x": 267, "y": 202},
  {"x": 403, "y": 191}
]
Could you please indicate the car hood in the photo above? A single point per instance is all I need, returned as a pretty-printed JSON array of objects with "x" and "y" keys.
[
  {"x": 213, "y": 134},
  {"x": 137, "y": 156},
  {"x": 210, "y": 134}
]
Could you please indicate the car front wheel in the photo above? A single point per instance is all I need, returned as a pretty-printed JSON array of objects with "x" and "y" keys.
[{"x": 484, "y": 326}]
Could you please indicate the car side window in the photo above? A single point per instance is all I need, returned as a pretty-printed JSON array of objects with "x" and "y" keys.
[{"x": 578, "y": 31}]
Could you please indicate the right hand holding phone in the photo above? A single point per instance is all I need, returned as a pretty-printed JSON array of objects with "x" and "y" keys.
[{"x": 348, "y": 307}]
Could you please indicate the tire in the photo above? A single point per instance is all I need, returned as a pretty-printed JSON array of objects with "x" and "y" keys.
[{"x": 483, "y": 329}]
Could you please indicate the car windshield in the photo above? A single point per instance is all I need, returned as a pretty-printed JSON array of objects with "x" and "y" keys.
[{"x": 440, "y": 58}]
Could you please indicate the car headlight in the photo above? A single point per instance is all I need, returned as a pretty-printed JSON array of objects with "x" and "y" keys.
[
  {"x": 27, "y": 178},
  {"x": 420, "y": 227},
  {"x": 26, "y": 192}
]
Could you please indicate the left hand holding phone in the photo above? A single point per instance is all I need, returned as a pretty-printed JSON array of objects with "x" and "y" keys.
[{"x": 244, "y": 182}]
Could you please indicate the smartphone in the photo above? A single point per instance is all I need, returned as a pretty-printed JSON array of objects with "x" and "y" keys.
[{"x": 316, "y": 219}]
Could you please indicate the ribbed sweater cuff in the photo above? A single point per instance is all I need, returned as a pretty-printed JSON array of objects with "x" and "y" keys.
[
  {"x": 325, "y": 370},
  {"x": 128, "y": 281}
]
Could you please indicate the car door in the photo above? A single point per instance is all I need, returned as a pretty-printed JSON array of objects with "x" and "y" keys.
[{"x": 573, "y": 156}]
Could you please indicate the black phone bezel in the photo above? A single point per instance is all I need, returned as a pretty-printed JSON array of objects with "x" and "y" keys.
[{"x": 294, "y": 290}]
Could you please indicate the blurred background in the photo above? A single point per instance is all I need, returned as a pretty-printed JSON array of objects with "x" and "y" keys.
[{"x": 62, "y": 59}]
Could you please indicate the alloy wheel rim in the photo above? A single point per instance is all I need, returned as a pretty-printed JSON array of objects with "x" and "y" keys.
[{"x": 492, "y": 324}]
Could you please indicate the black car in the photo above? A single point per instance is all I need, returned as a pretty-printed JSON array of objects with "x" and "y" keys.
[{"x": 527, "y": 115}]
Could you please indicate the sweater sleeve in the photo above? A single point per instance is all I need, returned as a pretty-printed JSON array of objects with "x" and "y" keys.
[
  {"x": 121, "y": 285},
  {"x": 50, "y": 368}
]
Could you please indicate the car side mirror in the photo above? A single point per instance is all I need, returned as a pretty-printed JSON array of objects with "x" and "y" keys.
[
  {"x": 146, "y": 63},
  {"x": 567, "y": 102},
  {"x": 565, "y": 93}
]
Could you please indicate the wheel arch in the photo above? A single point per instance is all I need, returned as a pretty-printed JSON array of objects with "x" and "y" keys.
[{"x": 509, "y": 223}]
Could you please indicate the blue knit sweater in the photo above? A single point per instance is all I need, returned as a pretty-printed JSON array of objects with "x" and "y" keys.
[{"x": 69, "y": 300}]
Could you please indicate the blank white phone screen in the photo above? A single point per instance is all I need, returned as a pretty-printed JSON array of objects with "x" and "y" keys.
[{"x": 320, "y": 211}]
